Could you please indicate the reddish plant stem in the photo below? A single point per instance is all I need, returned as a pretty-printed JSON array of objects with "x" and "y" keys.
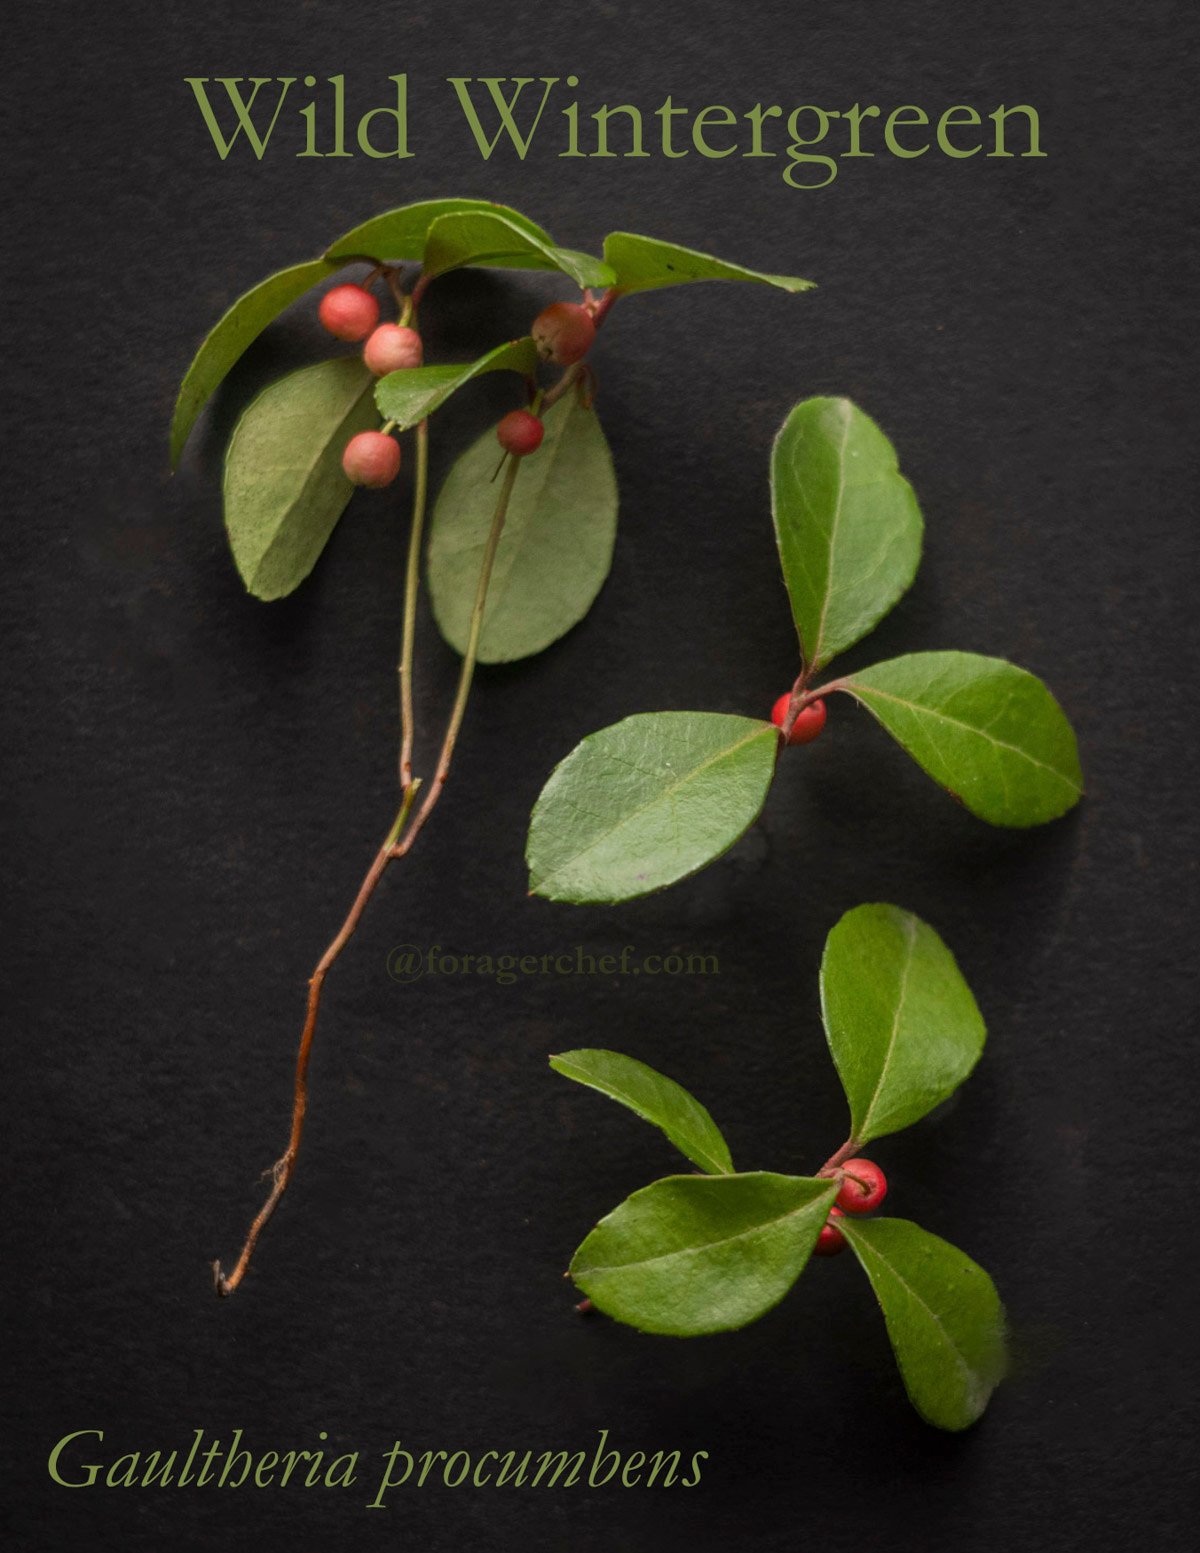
[
  {"x": 281, "y": 1171},
  {"x": 847, "y": 1151}
]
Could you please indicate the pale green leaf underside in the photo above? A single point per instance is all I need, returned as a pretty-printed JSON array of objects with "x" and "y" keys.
[
  {"x": 902, "y": 1024},
  {"x": 846, "y": 522},
  {"x": 695, "y": 1254},
  {"x": 230, "y": 337},
  {"x": 402, "y": 233},
  {"x": 987, "y": 731},
  {"x": 478, "y": 237},
  {"x": 413, "y": 393},
  {"x": 284, "y": 485},
  {"x": 643, "y": 263},
  {"x": 647, "y": 801},
  {"x": 944, "y": 1317},
  {"x": 654, "y": 1097},
  {"x": 557, "y": 544}
]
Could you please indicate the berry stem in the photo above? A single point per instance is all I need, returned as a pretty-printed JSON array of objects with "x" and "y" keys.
[
  {"x": 467, "y": 673},
  {"x": 412, "y": 583}
]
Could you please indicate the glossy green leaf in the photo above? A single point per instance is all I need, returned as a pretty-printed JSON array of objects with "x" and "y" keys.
[
  {"x": 695, "y": 1254},
  {"x": 655, "y": 1098},
  {"x": 284, "y": 485},
  {"x": 846, "y": 522},
  {"x": 239, "y": 327},
  {"x": 903, "y": 1026},
  {"x": 647, "y": 801},
  {"x": 988, "y": 732},
  {"x": 557, "y": 544},
  {"x": 477, "y": 237},
  {"x": 402, "y": 233},
  {"x": 943, "y": 1315},
  {"x": 643, "y": 263},
  {"x": 411, "y": 394}
]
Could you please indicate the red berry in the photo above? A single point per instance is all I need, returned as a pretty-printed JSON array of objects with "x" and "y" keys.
[
  {"x": 372, "y": 459},
  {"x": 563, "y": 333},
  {"x": 391, "y": 348},
  {"x": 349, "y": 312},
  {"x": 831, "y": 1240},
  {"x": 864, "y": 1186},
  {"x": 520, "y": 433},
  {"x": 809, "y": 721}
]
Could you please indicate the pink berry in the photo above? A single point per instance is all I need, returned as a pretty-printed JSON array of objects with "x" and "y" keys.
[
  {"x": 391, "y": 348},
  {"x": 864, "y": 1186},
  {"x": 809, "y": 721},
  {"x": 563, "y": 333},
  {"x": 831, "y": 1240},
  {"x": 520, "y": 433},
  {"x": 349, "y": 312},
  {"x": 372, "y": 459}
]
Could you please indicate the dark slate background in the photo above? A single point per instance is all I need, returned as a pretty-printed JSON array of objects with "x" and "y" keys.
[{"x": 199, "y": 780}]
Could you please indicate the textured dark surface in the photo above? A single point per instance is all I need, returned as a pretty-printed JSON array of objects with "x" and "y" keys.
[{"x": 196, "y": 782}]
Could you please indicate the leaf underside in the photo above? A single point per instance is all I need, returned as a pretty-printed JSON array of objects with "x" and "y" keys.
[
  {"x": 644, "y": 263},
  {"x": 645, "y": 802},
  {"x": 987, "y": 731},
  {"x": 903, "y": 1026},
  {"x": 847, "y": 524},
  {"x": 654, "y": 1097},
  {"x": 556, "y": 548},
  {"x": 689, "y": 1255},
  {"x": 284, "y": 485},
  {"x": 944, "y": 1318}
]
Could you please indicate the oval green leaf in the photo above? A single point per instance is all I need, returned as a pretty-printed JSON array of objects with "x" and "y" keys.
[
  {"x": 284, "y": 485},
  {"x": 695, "y": 1254},
  {"x": 239, "y": 327},
  {"x": 402, "y": 233},
  {"x": 557, "y": 544},
  {"x": 944, "y": 1317},
  {"x": 903, "y": 1026},
  {"x": 644, "y": 263},
  {"x": 477, "y": 237},
  {"x": 654, "y": 1097},
  {"x": 647, "y": 801},
  {"x": 846, "y": 522},
  {"x": 987, "y": 731},
  {"x": 413, "y": 393}
]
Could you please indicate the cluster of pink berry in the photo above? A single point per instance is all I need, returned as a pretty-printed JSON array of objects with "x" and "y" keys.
[
  {"x": 563, "y": 334},
  {"x": 863, "y": 1188}
]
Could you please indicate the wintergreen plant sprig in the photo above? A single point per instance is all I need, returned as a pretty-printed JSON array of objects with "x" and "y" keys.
[
  {"x": 647, "y": 801},
  {"x": 519, "y": 545},
  {"x": 695, "y": 1254}
]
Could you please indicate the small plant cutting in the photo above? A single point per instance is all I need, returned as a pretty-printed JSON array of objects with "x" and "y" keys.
[
  {"x": 649, "y": 800},
  {"x": 709, "y": 1252},
  {"x": 522, "y": 532}
]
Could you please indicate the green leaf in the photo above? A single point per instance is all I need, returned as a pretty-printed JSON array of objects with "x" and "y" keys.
[
  {"x": 402, "y": 233},
  {"x": 695, "y": 1254},
  {"x": 557, "y": 544},
  {"x": 655, "y": 1098},
  {"x": 943, "y": 1315},
  {"x": 988, "y": 732},
  {"x": 284, "y": 485},
  {"x": 411, "y": 394},
  {"x": 846, "y": 521},
  {"x": 476, "y": 237},
  {"x": 903, "y": 1026},
  {"x": 643, "y": 263},
  {"x": 647, "y": 801},
  {"x": 239, "y": 327}
]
